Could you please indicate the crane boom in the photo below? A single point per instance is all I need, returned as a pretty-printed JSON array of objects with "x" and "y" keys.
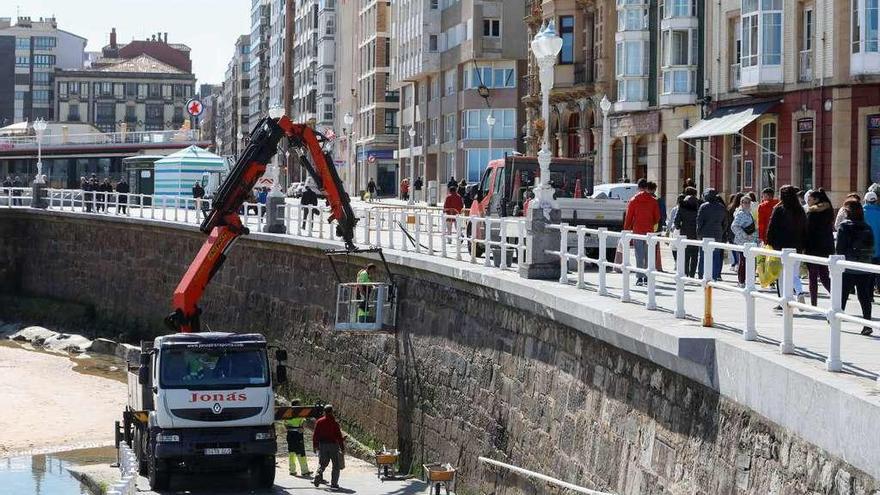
[{"x": 223, "y": 224}]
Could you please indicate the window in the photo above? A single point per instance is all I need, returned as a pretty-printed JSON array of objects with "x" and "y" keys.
[
  {"x": 154, "y": 113},
  {"x": 435, "y": 4},
  {"x": 449, "y": 127},
  {"x": 478, "y": 160},
  {"x": 43, "y": 78},
  {"x": 476, "y": 127},
  {"x": 491, "y": 78},
  {"x": 155, "y": 90},
  {"x": 856, "y": 28},
  {"x": 24, "y": 62},
  {"x": 106, "y": 89},
  {"x": 328, "y": 111},
  {"x": 19, "y": 95},
  {"x": 492, "y": 28},
  {"x": 450, "y": 80},
  {"x": 42, "y": 96},
  {"x": 566, "y": 31},
  {"x": 73, "y": 112},
  {"x": 736, "y": 162},
  {"x": 73, "y": 87},
  {"x": 44, "y": 42},
  {"x": 131, "y": 90},
  {"x": 329, "y": 82},
  {"x": 178, "y": 116},
  {"x": 44, "y": 60},
  {"x": 768, "y": 155},
  {"x": 679, "y": 61},
  {"x": 762, "y": 32},
  {"x": 632, "y": 71},
  {"x": 105, "y": 112},
  {"x": 22, "y": 43},
  {"x": 130, "y": 114},
  {"x": 680, "y": 8},
  {"x": 432, "y": 43},
  {"x": 62, "y": 89},
  {"x": 390, "y": 121},
  {"x": 807, "y": 42}
]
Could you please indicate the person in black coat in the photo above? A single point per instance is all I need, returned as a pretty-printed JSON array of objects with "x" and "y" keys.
[
  {"x": 819, "y": 239},
  {"x": 855, "y": 241},
  {"x": 711, "y": 224},
  {"x": 787, "y": 229},
  {"x": 686, "y": 223},
  {"x": 87, "y": 196},
  {"x": 122, "y": 190},
  {"x": 309, "y": 198}
]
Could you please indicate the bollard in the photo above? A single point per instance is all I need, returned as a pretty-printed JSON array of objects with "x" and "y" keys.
[
  {"x": 708, "y": 267},
  {"x": 787, "y": 288},
  {"x": 749, "y": 259},
  {"x": 603, "y": 259},
  {"x": 651, "y": 246},
  {"x": 581, "y": 233},
  {"x": 624, "y": 241},
  {"x": 833, "y": 363},
  {"x": 679, "y": 277}
]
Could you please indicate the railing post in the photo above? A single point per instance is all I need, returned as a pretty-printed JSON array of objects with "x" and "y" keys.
[
  {"x": 459, "y": 227},
  {"x": 378, "y": 228},
  {"x": 367, "y": 226},
  {"x": 834, "y": 363},
  {"x": 708, "y": 268},
  {"x": 520, "y": 241},
  {"x": 473, "y": 239},
  {"x": 418, "y": 228},
  {"x": 430, "y": 233},
  {"x": 581, "y": 232},
  {"x": 487, "y": 234},
  {"x": 444, "y": 223},
  {"x": 749, "y": 259},
  {"x": 651, "y": 244},
  {"x": 405, "y": 230},
  {"x": 389, "y": 219},
  {"x": 680, "y": 275},
  {"x": 624, "y": 269},
  {"x": 603, "y": 259},
  {"x": 320, "y": 221},
  {"x": 563, "y": 251},
  {"x": 787, "y": 276}
]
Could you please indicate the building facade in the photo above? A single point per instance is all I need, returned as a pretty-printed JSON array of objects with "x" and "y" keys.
[
  {"x": 314, "y": 53},
  {"x": 234, "y": 109},
  {"x": 260, "y": 80},
  {"x": 40, "y": 48},
  {"x": 447, "y": 54},
  {"x": 140, "y": 94}
]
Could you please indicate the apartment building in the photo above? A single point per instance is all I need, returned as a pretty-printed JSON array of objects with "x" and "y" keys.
[
  {"x": 314, "y": 53},
  {"x": 138, "y": 94},
  {"x": 40, "y": 48},
  {"x": 234, "y": 106},
  {"x": 261, "y": 79},
  {"x": 796, "y": 99},
  {"x": 455, "y": 63}
]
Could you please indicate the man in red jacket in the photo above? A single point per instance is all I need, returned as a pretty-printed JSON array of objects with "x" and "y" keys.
[
  {"x": 327, "y": 442},
  {"x": 642, "y": 217},
  {"x": 452, "y": 205},
  {"x": 765, "y": 209}
]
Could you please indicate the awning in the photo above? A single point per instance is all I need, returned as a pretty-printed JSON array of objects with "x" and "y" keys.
[{"x": 727, "y": 121}]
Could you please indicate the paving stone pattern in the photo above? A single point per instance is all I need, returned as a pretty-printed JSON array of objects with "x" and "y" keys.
[{"x": 465, "y": 375}]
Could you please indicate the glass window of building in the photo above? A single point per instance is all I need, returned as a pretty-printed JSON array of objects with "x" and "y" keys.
[
  {"x": 566, "y": 32},
  {"x": 768, "y": 155},
  {"x": 762, "y": 32},
  {"x": 492, "y": 28}
]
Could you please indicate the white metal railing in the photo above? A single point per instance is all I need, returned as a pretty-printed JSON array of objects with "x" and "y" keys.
[
  {"x": 94, "y": 138},
  {"x": 541, "y": 477},
  {"x": 15, "y": 196},
  {"x": 788, "y": 259}
]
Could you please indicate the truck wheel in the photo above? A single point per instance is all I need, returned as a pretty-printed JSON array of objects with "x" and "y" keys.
[
  {"x": 139, "y": 446},
  {"x": 264, "y": 472},
  {"x": 159, "y": 473}
]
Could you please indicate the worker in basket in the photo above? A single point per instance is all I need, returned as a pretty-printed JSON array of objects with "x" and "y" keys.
[
  {"x": 364, "y": 293},
  {"x": 296, "y": 448}
]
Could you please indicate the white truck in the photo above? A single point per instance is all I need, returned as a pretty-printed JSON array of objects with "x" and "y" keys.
[{"x": 203, "y": 401}]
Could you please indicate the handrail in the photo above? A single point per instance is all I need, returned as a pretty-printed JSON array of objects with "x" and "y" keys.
[{"x": 542, "y": 477}]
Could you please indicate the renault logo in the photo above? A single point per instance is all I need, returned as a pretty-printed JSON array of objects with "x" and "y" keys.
[{"x": 217, "y": 409}]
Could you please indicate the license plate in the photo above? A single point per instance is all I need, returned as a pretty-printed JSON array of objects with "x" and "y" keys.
[{"x": 225, "y": 451}]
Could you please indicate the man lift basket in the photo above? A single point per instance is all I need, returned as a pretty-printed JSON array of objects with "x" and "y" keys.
[{"x": 365, "y": 306}]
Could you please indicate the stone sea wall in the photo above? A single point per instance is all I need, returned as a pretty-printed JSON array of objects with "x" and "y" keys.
[{"x": 466, "y": 374}]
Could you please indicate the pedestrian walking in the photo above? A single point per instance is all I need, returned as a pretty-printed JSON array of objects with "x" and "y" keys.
[
  {"x": 670, "y": 222},
  {"x": 7, "y": 189},
  {"x": 786, "y": 230},
  {"x": 296, "y": 448},
  {"x": 855, "y": 242},
  {"x": 418, "y": 187},
  {"x": 765, "y": 209},
  {"x": 452, "y": 182},
  {"x": 732, "y": 206},
  {"x": 872, "y": 218},
  {"x": 819, "y": 240},
  {"x": 452, "y": 205},
  {"x": 309, "y": 200},
  {"x": 198, "y": 193},
  {"x": 404, "y": 189},
  {"x": 462, "y": 187},
  {"x": 841, "y": 213},
  {"x": 87, "y": 196},
  {"x": 711, "y": 219},
  {"x": 103, "y": 188},
  {"x": 642, "y": 217},
  {"x": 327, "y": 441},
  {"x": 262, "y": 198},
  {"x": 744, "y": 230},
  {"x": 16, "y": 191},
  {"x": 686, "y": 223},
  {"x": 371, "y": 190},
  {"x": 122, "y": 191}
]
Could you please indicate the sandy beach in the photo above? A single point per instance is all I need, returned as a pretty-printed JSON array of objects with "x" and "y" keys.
[{"x": 45, "y": 406}]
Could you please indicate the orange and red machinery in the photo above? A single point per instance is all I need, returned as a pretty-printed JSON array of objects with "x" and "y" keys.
[{"x": 223, "y": 224}]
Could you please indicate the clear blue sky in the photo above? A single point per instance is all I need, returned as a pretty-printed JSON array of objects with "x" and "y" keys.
[{"x": 209, "y": 27}]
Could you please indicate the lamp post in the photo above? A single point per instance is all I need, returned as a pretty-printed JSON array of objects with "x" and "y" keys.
[
  {"x": 605, "y": 105},
  {"x": 491, "y": 121},
  {"x": 40, "y": 127},
  {"x": 546, "y": 47},
  {"x": 275, "y": 201},
  {"x": 238, "y": 138},
  {"x": 412, "y": 163},
  {"x": 348, "y": 119}
]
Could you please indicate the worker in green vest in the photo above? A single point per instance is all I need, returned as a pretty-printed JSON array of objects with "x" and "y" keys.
[
  {"x": 296, "y": 448},
  {"x": 366, "y": 277}
]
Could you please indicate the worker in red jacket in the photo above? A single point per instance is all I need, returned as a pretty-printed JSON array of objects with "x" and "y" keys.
[
  {"x": 642, "y": 217},
  {"x": 765, "y": 210},
  {"x": 452, "y": 205},
  {"x": 328, "y": 443}
]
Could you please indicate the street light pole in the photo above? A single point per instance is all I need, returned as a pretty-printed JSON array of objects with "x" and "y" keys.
[
  {"x": 491, "y": 121},
  {"x": 274, "y": 173},
  {"x": 546, "y": 46},
  {"x": 605, "y": 105},
  {"x": 40, "y": 127},
  {"x": 412, "y": 163},
  {"x": 349, "y": 123}
]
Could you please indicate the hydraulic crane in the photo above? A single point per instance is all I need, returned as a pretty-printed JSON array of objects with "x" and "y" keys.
[{"x": 223, "y": 224}]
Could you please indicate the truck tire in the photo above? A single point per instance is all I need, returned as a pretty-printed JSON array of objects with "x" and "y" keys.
[
  {"x": 139, "y": 446},
  {"x": 264, "y": 472},
  {"x": 159, "y": 474}
]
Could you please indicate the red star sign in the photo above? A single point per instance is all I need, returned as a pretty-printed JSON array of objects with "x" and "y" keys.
[{"x": 194, "y": 108}]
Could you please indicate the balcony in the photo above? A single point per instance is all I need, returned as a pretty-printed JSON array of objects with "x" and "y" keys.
[
  {"x": 805, "y": 66},
  {"x": 734, "y": 78},
  {"x": 103, "y": 139}
]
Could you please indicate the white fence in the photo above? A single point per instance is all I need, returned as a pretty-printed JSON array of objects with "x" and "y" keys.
[{"x": 503, "y": 240}]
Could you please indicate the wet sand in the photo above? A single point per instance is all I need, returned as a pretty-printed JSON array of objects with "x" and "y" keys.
[{"x": 46, "y": 406}]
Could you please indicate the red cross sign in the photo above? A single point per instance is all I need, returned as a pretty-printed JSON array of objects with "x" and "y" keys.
[{"x": 195, "y": 107}]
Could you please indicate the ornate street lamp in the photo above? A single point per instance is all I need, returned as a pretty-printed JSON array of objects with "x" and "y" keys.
[
  {"x": 605, "y": 105},
  {"x": 412, "y": 164},
  {"x": 490, "y": 119},
  {"x": 546, "y": 47},
  {"x": 40, "y": 127},
  {"x": 348, "y": 119}
]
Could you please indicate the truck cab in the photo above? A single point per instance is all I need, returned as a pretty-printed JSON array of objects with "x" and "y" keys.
[{"x": 210, "y": 405}]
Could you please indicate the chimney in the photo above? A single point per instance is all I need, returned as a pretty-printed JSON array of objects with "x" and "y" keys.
[{"x": 113, "y": 38}]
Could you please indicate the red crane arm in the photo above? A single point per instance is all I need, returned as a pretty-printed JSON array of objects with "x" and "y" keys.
[{"x": 223, "y": 225}]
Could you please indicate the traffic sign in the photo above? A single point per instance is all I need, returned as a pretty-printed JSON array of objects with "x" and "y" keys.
[
  {"x": 194, "y": 107},
  {"x": 372, "y": 159}
]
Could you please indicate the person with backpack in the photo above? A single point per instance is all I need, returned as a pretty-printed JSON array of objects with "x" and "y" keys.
[
  {"x": 855, "y": 242},
  {"x": 819, "y": 240},
  {"x": 744, "y": 230}
]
